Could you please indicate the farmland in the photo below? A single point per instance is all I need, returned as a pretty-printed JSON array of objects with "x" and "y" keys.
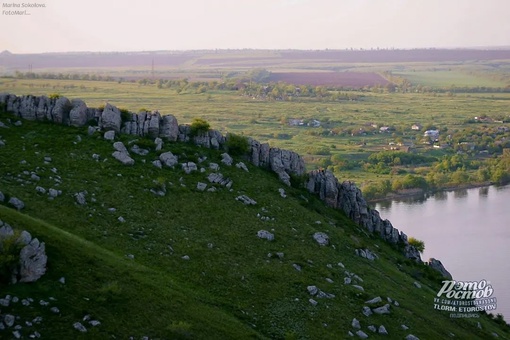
[{"x": 336, "y": 112}]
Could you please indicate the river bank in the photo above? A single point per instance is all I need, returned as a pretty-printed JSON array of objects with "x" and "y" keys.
[{"x": 417, "y": 192}]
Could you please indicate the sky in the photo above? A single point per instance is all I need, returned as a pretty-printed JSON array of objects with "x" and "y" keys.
[{"x": 143, "y": 25}]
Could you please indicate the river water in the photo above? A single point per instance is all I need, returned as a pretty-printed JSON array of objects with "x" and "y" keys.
[{"x": 467, "y": 230}]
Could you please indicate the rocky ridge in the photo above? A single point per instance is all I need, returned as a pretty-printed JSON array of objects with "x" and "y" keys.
[{"x": 344, "y": 196}]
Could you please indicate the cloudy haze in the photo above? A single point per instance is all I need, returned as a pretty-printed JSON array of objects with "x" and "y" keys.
[{"x": 111, "y": 25}]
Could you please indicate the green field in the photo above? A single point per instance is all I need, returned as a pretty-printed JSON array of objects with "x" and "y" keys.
[
  {"x": 338, "y": 138},
  {"x": 132, "y": 277},
  {"x": 451, "y": 78}
]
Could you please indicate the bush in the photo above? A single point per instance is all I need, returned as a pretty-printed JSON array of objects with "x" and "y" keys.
[
  {"x": 237, "y": 144},
  {"x": 125, "y": 115},
  {"x": 54, "y": 96},
  {"x": 418, "y": 244},
  {"x": 199, "y": 126},
  {"x": 9, "y": 257}
]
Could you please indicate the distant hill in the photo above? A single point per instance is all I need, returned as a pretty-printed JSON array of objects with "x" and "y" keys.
[{"x": 247, "y": 58}]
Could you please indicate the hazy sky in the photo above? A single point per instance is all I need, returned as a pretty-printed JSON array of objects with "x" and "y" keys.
[{"x": 115, "y": 25}]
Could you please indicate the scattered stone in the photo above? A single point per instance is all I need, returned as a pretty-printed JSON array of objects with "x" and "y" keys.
[
  {"x": 92, "y": 129},
  {"x": 130, "y": 256},
  {"x": 123, "y": 157},
  {"x": 321, "y": 238},
  {"x": 94, "y": 323},
  {"x": 25, "y": 302},
  {"x": 347, "y": 281},
  {"x": 313, "y": 290},
  {"x": 374, "y": 300},
  {"x": 47, "y": 159},
  {"x": 313, "y": 302},
  {"x": 264, "y": 234},
  {"x": 62, "y": 280},
  {"x": 404, "y": 327},
  {"x": 329, "y": 280},
  {"x": 121, "y": 219},
  {"x": 159, "y": 143},
  {"x": 185, "y": 257},
  {"x": 80, "y": 198},
  {"x": 189, "y": 167},
  {"x": 16, "y": 334},
  {"x": 361, "y": 334},
  {"x": 241, "y": 165},
  {"x": 355, "y": 324},
  {"x": 246, "y": 200},
  {"x": 52, "y": 193},
  {"x": 40, "y": 190},
  {"x": 4, "y": 302},
  {"x": 282, "y": 193},
  {"x": 9, "y": 320},
  {"x": 416, "y": 284},
  {"x": 201, "y": 186},
  {"x": 16, "y": 203},
  {"x": 372, "y": 328},
  {"x": 214, "y": 166},
  {"x": 350, "y": 333},
  {"x": 18, "y": 123},
  {"x": 382, "y": 310},
  {"x": 297, "y": 267},
  {"x": 78, "y": 326},
  {"x": 157, "y": 164},
  {"x": 382, "y": 330},
  {"x": 226, "y": 159},
  {"x": 359, "y": 287},
  {"x": 367, "y": 254},
  {"x": 55, "y": 310},
  {"x": 108, "y": 135},
  {"x": 412, "y": 337},
  {"x": 43, "y": 303},
  {"x": 34, "y": 177},
  {"x": 367, "y": 311},
  {"x": 280, "y": 255},
  {"x": 168, "y": 159},
  {"x": 139, "y": 151}
]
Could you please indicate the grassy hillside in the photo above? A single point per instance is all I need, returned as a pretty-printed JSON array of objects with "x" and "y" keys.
[{"x": 189, "y": 264}]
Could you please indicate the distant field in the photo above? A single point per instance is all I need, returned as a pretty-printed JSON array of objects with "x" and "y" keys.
[
  {"x": 448, "y": 78},
  {"x": 347, "y": 79}
]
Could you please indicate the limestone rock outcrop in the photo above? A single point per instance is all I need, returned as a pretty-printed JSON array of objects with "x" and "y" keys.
[{"x": 348, "y": 198}]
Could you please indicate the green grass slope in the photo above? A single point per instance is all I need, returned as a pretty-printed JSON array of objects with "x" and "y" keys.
[{"x": 233, "y": 286}]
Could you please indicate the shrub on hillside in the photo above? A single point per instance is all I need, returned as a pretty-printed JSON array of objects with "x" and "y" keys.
[
  {"x": 418, "y": 244},
  {"x": 54, "y": 96},
  {"x": 237, "y": 144},
  {"x": 9, "y": 256},
  {"x": 199, "y": 126}
]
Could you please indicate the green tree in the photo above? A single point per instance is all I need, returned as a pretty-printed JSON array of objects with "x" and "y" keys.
[{"x": 418, "y": 244}]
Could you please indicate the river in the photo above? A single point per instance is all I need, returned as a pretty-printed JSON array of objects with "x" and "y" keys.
[{"x": 468, "y": 230}]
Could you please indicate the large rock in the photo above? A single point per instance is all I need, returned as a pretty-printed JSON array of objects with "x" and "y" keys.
[
  {"x": 60, "y": 111},
  {"x": 412, "y": 253},
  {"x": 110, "y": 118},
  {"x": 153, "y": 126},
  {"x": 169, "y": 128},
  {"x": 321, "y": 238},
  {"x": 123, "y": 157},
  {"x": 78, "y": 116},
  {"x": 168, "y": 159},
  {"x": 437, "y": 265},
  {"x": 32, "y": 261},
  {"x": 16, "y": 203}
]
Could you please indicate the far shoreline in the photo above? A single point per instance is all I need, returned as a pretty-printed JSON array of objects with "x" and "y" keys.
[{"x": 416, "y": 192}]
